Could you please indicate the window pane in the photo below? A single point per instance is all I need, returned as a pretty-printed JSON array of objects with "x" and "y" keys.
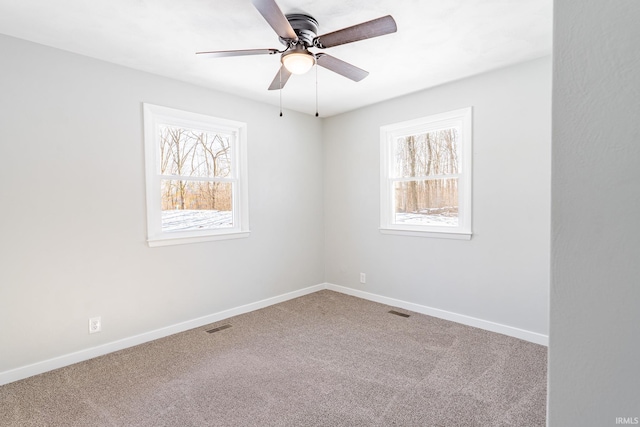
[
  {"x": 187, "y": 152},
  {"x": 196, "y": 205},
  {"x": 426, "y": 154},
  {"x": 426, "y": 202}
]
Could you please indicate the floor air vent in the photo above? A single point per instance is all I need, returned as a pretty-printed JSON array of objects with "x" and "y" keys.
[
  {"x": 397, "y": 313},
  {"x": 219, "y": 328}
]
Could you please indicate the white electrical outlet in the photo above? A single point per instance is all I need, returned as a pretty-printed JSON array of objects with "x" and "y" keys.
[
  {"x": 95, "y": 325},
  {"x": 363, "y": 278}
]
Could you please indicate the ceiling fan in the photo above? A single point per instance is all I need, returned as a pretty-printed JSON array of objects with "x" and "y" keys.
[{"x": 298, "y": 33}]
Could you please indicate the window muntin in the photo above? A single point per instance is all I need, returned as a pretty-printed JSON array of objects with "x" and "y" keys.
[
  {"x": 196, "y": 177},
  {"x": 426, "y": 175}
]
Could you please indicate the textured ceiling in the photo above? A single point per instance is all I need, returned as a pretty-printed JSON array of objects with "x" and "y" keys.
[{"x": 436, "y": 42}]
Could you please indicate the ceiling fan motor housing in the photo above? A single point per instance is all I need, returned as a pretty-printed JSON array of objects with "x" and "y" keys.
[
  {"x": 298, "y": 32},
  {"x": 305, "y": 27}
]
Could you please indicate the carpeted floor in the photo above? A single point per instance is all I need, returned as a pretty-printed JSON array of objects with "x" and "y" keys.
[{"x": 325, "y": 359}]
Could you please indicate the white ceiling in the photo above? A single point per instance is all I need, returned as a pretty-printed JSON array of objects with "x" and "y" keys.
[{"x": 437, "y": 42}]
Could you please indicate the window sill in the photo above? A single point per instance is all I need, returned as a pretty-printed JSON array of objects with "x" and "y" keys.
[
  {"x": 456, "y": 235},
  {"x": 181, "y": 240}
]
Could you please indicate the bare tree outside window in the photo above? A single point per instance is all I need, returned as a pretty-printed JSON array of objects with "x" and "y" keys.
[
  {"x": 425, "y": 176},
  {"x": 196, "y": 177},
  {"x": 425, "y": 168},
  {"x": 194, "y": 166}
]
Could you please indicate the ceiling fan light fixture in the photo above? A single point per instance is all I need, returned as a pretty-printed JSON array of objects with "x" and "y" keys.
[{"x": 298, "y": 62}]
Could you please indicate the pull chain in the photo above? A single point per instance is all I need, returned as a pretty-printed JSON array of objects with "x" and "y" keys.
[
  {"x": 317, "y": 90},
  {"x": 280, "y": 73}
]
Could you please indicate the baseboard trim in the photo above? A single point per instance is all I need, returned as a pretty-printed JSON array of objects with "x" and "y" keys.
[
  {"x": 522, "y": 334},
  {"x": 82, "y": 355}
]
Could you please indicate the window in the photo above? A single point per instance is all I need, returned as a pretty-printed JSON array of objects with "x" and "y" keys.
[
  {"x": 196, "y": 177},
  {"x": 426, "y": 176}
]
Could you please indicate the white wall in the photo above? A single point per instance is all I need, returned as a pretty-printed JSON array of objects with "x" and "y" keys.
[
  {"x": 73, "y": 208},
  {"x": 502, "y": 274},
  {"x": 72, "y": 240},
  {"x": 594, "y": 374},
  {"x": 72, "y": 216}
]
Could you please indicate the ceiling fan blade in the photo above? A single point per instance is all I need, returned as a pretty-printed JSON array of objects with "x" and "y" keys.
[
  {"x": 274, "y": 16},
  {"x": 244, "y": 52},
  {"x": 339, "y": 66},
  {"x": 366, "y": 30},
  {"x": 280, "y": 79}
]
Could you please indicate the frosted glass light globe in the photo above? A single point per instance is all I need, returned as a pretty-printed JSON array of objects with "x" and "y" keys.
[{"x": 298, "y": 62}]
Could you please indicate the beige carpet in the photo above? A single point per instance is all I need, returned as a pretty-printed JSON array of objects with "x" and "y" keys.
[{"x": 325, "y": 359}]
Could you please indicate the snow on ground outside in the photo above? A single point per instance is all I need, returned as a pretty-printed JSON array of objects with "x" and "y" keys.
[
  {"x": 186, "y": 220},
  {"x": 425, "y": 219}
]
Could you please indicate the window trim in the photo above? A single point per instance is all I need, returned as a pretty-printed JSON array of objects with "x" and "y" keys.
[
  {"x": 388, "y": 133},
  {"x": 156, "y": 115}
]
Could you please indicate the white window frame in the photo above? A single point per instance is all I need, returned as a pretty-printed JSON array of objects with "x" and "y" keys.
[
  {"x": 154, "y": 116},
  {"x": 462, "y": 119}
]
